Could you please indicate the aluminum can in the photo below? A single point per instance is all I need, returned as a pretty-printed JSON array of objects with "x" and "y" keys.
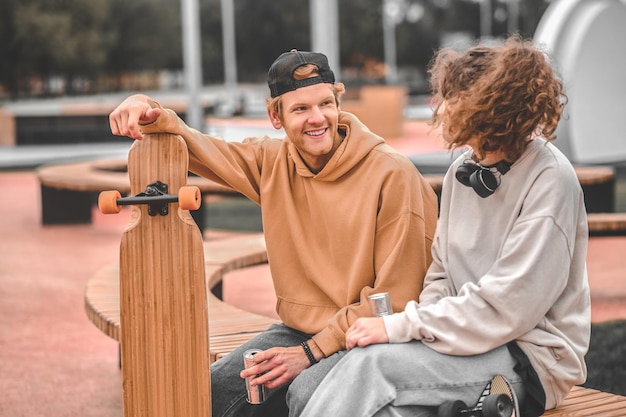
[
  {"x": 256, "y": 394},
  {"x": 380, "y": 305}
]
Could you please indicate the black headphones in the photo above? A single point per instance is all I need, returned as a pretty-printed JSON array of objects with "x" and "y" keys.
[{"x": 483, "y": 179}]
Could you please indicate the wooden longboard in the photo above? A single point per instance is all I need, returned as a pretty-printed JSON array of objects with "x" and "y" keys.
[{"x": 163, "y": 302}]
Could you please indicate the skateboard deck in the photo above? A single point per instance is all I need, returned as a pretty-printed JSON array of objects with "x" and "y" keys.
[{"x": 163, "y": 302}]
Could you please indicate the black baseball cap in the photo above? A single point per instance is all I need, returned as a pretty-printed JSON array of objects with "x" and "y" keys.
[{"x": 280, "y": 75}]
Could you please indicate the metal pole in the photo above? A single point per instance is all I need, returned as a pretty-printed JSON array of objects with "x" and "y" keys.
[
  {"x": 485, "y": 18},
  {"x": 389, "y": 41},
  {"x": 513, "y": 16},
  {"x": 192, "y": 61},
  {"x": 325, "y": 31},
  {"x": 229, "y": 49}
]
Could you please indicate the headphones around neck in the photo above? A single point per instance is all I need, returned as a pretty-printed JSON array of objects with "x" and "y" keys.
[{"x": 483, "y": 179}]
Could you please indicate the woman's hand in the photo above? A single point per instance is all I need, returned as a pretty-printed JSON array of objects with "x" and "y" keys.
[{"x": 366, "y": 331}]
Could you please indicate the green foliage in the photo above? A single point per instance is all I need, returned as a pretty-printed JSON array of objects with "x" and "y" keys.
[
  {"x": 48, "y": 37},
  {"x": 267, "y": 29},
  {"x": 147, "y": 35},
  {"x": 106, "y": 39}
]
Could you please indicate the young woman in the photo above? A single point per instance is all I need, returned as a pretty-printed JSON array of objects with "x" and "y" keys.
[{"x": 507, "y": 291}]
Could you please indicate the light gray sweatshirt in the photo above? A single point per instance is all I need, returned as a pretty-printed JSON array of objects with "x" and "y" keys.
[{"x": 511, "y": 266}]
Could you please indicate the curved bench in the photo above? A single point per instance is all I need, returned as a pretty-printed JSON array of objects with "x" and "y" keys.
[
  {"x": 229, "y": 326},
  {"x": 69, "y": 191},
  {"x": 598, "y": 183},
  {"x": 607, "y": 224}
]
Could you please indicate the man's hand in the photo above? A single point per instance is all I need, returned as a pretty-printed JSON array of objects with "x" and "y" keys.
[
  {"x": 125, "y": 119},
  {"x": 277, "y": 366},
  {"x": 366, "y": 331}
]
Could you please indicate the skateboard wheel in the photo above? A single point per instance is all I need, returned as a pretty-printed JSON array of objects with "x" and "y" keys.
[
  {"x": 107, "y": 202},
  {"x": 189, "y": 197},
  {"x": 497, "y": 406},
  {"x": 451, "y": 408}
]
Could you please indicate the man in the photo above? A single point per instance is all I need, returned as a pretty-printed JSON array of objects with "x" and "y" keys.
[
  {"x": 507, "y": 292},
  {"x": 344, "y": 216}
]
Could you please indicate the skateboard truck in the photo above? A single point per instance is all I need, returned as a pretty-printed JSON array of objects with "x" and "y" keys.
[
  {"x": 492, "y": 406},
  {"x": 155, "y": 196},
  {"x": 497, "y": 400}
]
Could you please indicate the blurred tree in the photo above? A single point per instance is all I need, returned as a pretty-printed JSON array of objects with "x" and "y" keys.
[
  {"x": 361, "y": 40},
  {"x": 52, "y": 37},
  {"x": 211, "y": 34},
  {"x": 531, "y": 12},
  {"x": 106, "y": 40},
  {"x": 267, "y": 29},
  {"x": 8, "y": 47},
  {"x": 146, "y": 36}
]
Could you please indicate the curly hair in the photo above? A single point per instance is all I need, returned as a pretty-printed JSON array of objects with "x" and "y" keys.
[
  {"x": 502, "y": 96},
  {"x": 301, "y": 73}
]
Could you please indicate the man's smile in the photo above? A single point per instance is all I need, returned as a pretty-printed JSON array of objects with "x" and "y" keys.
[{"x": 316, "y": 133}]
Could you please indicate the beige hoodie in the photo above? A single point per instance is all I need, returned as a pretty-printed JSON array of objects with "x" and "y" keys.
[{"x": 362, "y": 225}]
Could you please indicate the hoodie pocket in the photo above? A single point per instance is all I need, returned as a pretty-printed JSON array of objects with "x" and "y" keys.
[{"x": 309, "y": 318}]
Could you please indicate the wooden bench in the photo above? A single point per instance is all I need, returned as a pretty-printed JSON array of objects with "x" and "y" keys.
[
  {"x": 598, "y": 184},
  {"x": 69, "y": 191},
  {"x": 229, "y": 326},
  {"x": 607, "y": 224},
  {"x": 587, "y": 402}
]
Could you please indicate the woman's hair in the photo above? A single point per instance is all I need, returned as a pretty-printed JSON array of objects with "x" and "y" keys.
[
  {"x": 301, "y": 73},
  {"x": 502, "y": 96}
]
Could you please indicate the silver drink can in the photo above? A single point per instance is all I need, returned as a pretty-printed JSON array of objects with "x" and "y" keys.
[
  {"x": 380, "y": 305},
  {"x": 256, "y": 394}
]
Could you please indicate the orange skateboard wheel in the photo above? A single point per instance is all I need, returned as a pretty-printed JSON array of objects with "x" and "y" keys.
[
  {"x": 107, "y": 202},
  {"x": 189, "y": 197}
]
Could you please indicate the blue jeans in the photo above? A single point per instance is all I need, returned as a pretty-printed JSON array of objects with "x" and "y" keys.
[
  {"x": 407, "y": 379},
  {"x": 228, "y": 390}
]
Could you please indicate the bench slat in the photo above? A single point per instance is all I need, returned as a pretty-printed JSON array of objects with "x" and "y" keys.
[
  {"x": 608, "y": 223},
  {"x": 229, "y": 326},
  {"x": 587, "y": 402}
]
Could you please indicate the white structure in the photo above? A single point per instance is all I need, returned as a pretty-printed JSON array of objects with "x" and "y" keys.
[
  {"x": 588, "y": 40},
  {"x": 192, "y": 59},
  {"x": 324, "y": 18}
]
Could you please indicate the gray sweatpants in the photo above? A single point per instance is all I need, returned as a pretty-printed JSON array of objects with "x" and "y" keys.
[
  {"x": 228, "y": 390},
  {"x": 407, "y": 379}
]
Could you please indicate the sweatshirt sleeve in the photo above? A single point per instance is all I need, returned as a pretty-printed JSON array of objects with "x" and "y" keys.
[
  {"x": 503, "y": 305},
  {"x": 527, "y": 279},
  {"x": 437, "y": 284},
  {"x": 401, "y": 254},
  {"x": 231, "y": 164}
]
